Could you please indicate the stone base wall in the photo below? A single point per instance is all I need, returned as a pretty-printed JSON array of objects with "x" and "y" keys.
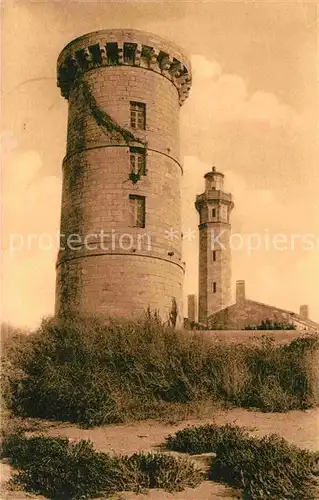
[{"x": 119, "y": 286}]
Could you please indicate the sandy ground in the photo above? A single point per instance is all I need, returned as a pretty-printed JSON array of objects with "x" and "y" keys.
[{"x": 298, "y": 427}]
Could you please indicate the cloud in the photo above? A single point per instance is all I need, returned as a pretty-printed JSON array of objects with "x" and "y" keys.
[
  {"x": 221, "y": 97},
  {"x": 203, "y": 69},
  {"x": 251, "y": 133}
]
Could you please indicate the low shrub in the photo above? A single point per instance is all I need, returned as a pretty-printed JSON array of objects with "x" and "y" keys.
[
  {"x": 281, "y": 377},
  {"x": 56, "y": 469},
  {"x": 90, "y": 373},
  {"x": 60, "y": 470},
  {"x": 204, "y": 439},
  {"x": 266, "y": 468},
  {"x": 165, "y": 471},
  {"x": 268, "y": 324},
  {"x": 20, "y": 450}
]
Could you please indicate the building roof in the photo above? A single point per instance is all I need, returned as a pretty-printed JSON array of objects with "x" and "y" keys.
[{"x": 294, "y": 316}]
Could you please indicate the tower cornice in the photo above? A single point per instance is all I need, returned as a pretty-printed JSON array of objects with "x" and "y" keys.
[
  {"x": 123, "y": 47},
  {"x": 213, "y": 195}
]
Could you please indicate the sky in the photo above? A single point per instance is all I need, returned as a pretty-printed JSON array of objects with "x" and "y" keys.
[{"x": 252, "y": 112}]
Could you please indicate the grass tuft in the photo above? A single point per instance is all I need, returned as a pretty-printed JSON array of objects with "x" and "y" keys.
[
  {"x": 265, "y": 468},
  {"x": 203, "y": 439},
  {"x": 60, "y": 470}
]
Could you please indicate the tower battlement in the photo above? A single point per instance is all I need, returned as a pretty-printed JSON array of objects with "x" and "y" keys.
[{"x": 123, "y": 47}]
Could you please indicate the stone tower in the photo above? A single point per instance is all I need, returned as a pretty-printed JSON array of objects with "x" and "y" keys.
[
  {"x": 121, "y": 214},
  {"x": 214, "y": 207}
]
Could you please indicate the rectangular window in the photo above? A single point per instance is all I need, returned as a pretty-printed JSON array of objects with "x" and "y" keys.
[
  {"x": 214, "y": 212},
  {"x": 138, "y": 161},
  {"x": 137, "y": 210},
  {"x": 214, "y": 287},
  {"x": 214, "y": 255},
  {"x": 138, "y": 115},
  {"x": 129, "y": 53},
  {"x": 112, "y": 53}
]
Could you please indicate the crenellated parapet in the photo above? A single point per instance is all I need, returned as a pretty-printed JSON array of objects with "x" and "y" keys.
[{"x": 109, "y": 48}]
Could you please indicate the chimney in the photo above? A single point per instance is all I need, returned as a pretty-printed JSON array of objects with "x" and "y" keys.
[
  {"x": 303, "y": 311},
  {"x": 191, "y": 308},
  {"x": 240, "y": 291}
]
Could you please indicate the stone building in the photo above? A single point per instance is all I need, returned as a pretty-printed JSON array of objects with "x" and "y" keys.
[
  {"x": 121, "y": 175},
  {"x": 246, "y": 312},
  {"x": 214, "y": 207}
]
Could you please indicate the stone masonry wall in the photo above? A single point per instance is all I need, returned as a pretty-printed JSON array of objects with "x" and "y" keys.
[
  {"x": 105, "y": 278},
  {"x": 210, "y": 271},
  {"x": 120, "y": 271}
]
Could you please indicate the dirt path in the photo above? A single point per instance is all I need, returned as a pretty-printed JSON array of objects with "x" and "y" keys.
[{"x": 300, "y": 428}]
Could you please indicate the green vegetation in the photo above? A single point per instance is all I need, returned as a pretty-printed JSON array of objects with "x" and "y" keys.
[
  {"x": 61, "y": 470},
  {"x": 204, "y": 439},
  {"x": 267, "y": 324},
  {"x": 109, "y": 125},
  {"x": 265, "y": 468},
  {"x": 103, "y": 119},
  {"x": 83, "y": 371},
  {"x": 193, "y": 325},
  {"x": 262, "y": 468}
]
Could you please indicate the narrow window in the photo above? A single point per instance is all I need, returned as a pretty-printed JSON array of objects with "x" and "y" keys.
[
  {"x": 138, "y": 161},
  {"x": 214, "y": 287},
  {"x": 112, "y": 53},
  {"x": 214, "y": 255},
  {"x": 214, "y": 212},
  {"x": 138, "y": 115},
  {"x": 129, "y": 53},
  {"x": 137, "y": 210}
]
